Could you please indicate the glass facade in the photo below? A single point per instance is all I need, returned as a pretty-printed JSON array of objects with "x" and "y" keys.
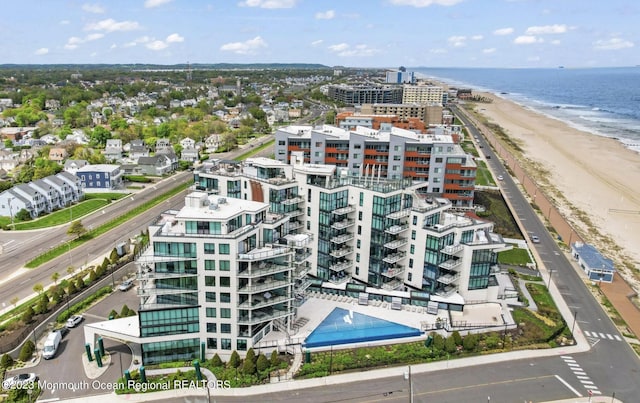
[
  {"x": 169, "y": 321},
  {"x": 167, "y": 351}
]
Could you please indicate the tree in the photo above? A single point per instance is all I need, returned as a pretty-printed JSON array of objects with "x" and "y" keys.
[
  {"x": 27, "y": 351},
  {"x": 450, "y": 345},
  {"x": 457, "y": 338},
  {"x": 438, "y": 341},
  {"x": 23, "y": 215},
  {"x": 71, "y": 288},
  {"x": 38, "y": 288},
  {"x": 216, "y": 361},
  {"x": 27, "y": 316},
  {"x": 80, "y": 284},
  {"x": 76, "y": 228},
  {"x": 234, "y": 360},
  {"x": 275, "y": 360},
  {"x": 470, "y": 342},
  {"x": 251, "y": 355},
  {"x": 113, "y": 257},
  {"x": 113, "y": 314},
  {"x": 14, "y": 301},
  {"x": 6, "y": 361},
  {"x": 43, "y": 304},
  {"x": 262, "y": 364},
  {"x": 92, "y": 276},
  {"x": 249, "y": 367},
  {"x": 126, "y": 312},
  {"x": 55, "y": 276}
]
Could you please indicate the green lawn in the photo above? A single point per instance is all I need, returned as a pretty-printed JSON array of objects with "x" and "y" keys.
[
  {"x": 483, "y": 175},
  {"x": 64, "y": 216},
  {"x": 254, "y": 151},
  {"x": 515, "y": 256},
  {"x": 105, "y": 196}
]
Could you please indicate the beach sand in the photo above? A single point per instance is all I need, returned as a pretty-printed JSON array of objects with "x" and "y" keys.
[{"x": 597, "y": 175}]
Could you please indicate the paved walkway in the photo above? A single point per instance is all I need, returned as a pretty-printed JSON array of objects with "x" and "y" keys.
[{"x": 619, "y": 294}]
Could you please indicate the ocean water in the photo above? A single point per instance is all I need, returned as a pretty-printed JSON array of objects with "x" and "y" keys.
[{"x": 602, "y": 101}]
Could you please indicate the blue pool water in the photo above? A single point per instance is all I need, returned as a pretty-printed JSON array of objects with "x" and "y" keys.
[{"x": 342, "y": 327}]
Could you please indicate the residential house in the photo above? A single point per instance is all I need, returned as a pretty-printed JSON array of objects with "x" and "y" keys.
[
  {"x": 163, "y": 144},
  {"x": 189, "y": 154},
  {"x": 113, "y": 150},
  {"x": 52, "y": 104},
  {"x": 173, "y": 158},
  {"x": 33, "y": 198},
  {"x": 100, "y": 177},
  {"x": 11, "y": 202},
  {"x": 187, "y": 142},
  {"x": 159, "y": 164},
  {"x": 78, "y": 136},
  {"x": 212, "y": 143},
  {"x": 72, "y": 166},
  {"x": 51, "y": 195},
  {"x": 57, "y": 154},
  {"x": 137, "y": 149},
  {"x": 65, "y": 191}
]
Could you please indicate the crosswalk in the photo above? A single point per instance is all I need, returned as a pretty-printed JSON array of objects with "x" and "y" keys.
[
  {"x": 595, "y": 337},
  {"x": 581, "y": 375}
]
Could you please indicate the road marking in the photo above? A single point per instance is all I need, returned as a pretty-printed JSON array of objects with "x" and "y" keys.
[
  {"x": 596, "y": 392},
  {"x": 567, "y": 360},
  {"x": 617, "y": 337},
  {"x": 590, "y": 387},
  {"x": 573, "y": 364},
  {"x": 587, "y": 382},
  {"x": 568, "y": 386},
  {"x": 610, "y": 336},
  {"x": 566, "y": 356},
  {"x": 603, "y": 336},
  {"x": 587, "y": 333},
  {"x": 11, "y": 241},
  {"x": 579, "y": 373}
]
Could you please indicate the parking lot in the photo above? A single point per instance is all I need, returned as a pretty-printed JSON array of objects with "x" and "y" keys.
[{"x": 65, "y": 371}]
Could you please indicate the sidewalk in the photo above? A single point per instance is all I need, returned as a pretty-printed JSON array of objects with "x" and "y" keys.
[{"x": 619, "y": 293}]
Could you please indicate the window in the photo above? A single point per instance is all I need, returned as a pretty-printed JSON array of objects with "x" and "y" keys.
[
  {"x": 358, "y": 244},
  {"x": 225, "y": 328},
  {"x": 396, "y": 158},
  {"x": 415, "y": 220},
  {"x": 436, "y": 170},
  {"x": 210, "y": 296},
  {"x": 223, "y": 249},
  {"x": 439, "y": 159},
  {"x": 281, "y": 142},
  {"x": 211, "y": 312},
  {"x": 413, "y": 234},
  {"x": 409, "y": 276},
  {"x": 412, "y": 249},
  {"x": 357, "y": 257},
  {"x": 319, "y": 144},
  {"x": 361, "y": 199},
  {"x": 225, "y": 281},
  {"x": 411, "y": 263},
  {"x": 225, "y": 313},
  {"x": 225, "y": 344},
  {"x": 436, "y": 190},
  {"x": 225, "y": 265},
  {"x": 242, "y": 345},
  {"x": 356, "y": 156},
  {"x": 308, "y": 211},
  {"x": 209, "y": 248},
  {"x": 209, "y": 264},
  {"x": 225, "y": 297},
  {"x": 209, "y": 281},
  {"x": 212, "y": 328},
  {"x": 212, "y": 343},
  {"x": 359, "y": 229},
  {"x": 359, "y": 215}
]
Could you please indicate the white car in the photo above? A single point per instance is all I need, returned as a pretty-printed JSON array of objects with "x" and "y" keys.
[
  {"x": 500, "y": 178},
  {"x": 20, "y": 381},
  {"x": 74, "y": 321},
  {"x": 535, "y": 239},
  {"x": 126, "y": 285}
]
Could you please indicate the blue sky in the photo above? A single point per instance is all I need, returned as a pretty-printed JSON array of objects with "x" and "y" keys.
[{"x": 352, "y": 33}]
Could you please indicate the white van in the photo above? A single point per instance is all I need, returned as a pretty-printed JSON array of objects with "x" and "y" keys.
[{"x": 51, "y": 345}]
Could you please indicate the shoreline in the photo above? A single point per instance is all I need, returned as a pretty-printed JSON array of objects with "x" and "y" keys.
[{"x": 598, "y": 176}]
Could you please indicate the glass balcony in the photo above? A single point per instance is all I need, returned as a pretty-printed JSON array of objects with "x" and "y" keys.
[
  {"x": 150, "y": 291},
  {"x": 343, "y": 224},
  {"x": 260, "y": 301},
  {"x": 396, "y": 244},
  {"x": 344, "y": 210},
  {"x": 338, "y": 267},
  {"x": 262, "y": 253},
  {"x": 262, "y": 316},
  {"x": 149, "y": 274},
  {"x": 396, "y": 229},
  {"x": 452, "y": 249},
  {"x": 399, "y": 214},
  {"x": 393, "y": 272},
  {"x": 301, "y": 256},
  {"x": 341, "y": 252},
  {"x": 294, "y": 213},
  {"x": 448, "y": 278},
  {"x": 447, "y": 291},
  {"x": 392, "y": 285},
  {"x": 264, "y": 285},
  {"x": 339, "y": 280},
  {"x": 293, "y": 200},
  {"x": 451, "y": 264},
  {"x": 263, "y": 269},
  {"x": 342, "y": 238},
  {"x": 394, "y": 258}
]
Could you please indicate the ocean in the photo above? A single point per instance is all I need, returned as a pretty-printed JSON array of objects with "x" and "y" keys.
[{"x": 602, "y": 101}]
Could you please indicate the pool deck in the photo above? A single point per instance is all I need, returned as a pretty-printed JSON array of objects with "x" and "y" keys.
[{"x": 317, "y": 307}]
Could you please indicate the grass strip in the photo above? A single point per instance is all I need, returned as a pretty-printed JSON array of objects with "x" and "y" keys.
[{"x": 254, "y": 151}]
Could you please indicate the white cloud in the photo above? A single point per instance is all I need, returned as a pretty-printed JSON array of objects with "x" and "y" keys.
[
  {"x": 477, "y": 37},
  {"x": 326, "y": 15},
  {"x": 111, "y": 25},
  {"x": 42, "y": 51},
  {"x": 174, "y": 38},
  {"x": 317, "y": 43},
  {"x": 113, "y": 46},
  {"x": 457, "y": 41},
  {"x": 247, "y": 47},
  {"x": 157, "y": 45},
  {"x": 268, "y": 3},
  {"x": 424, "y": 3},
  {"x": 155, "y": 3},
  {"x": 489, "y": 50},
  {"x": 546, "y": 29},
  {"x": 93, "y": 8},
  {"x": 527, "y": 40},
  {"x": 74, "y": 41},
  {"x": 346, "y": 50},
  {"x": 503, "y": 31},
  {"x": 65, "y": 22},
  {"x": 612, "y": 44}
]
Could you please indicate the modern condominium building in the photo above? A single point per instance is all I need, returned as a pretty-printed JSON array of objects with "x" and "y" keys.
[
  {"x": 365, "y": 94},
  {"x": 392, "y": 153},
  {"x": 430, "y": 114},
  {"x": 423, "y": 94}
]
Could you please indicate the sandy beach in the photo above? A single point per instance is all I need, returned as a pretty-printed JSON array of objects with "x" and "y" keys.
[{"x": 596, "y": 175}]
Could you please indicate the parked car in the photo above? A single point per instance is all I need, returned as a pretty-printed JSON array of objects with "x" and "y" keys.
[
  {"x": 63, "y": 331},
  {"x": 20, "y": 380},
  {"x": 51, "y": 345},
  {"x": 74, "y": 321},
  {"x": 126, "y": 285},
  {"x": 500, "y": 178},
  {"x": 535, "y": 239}
]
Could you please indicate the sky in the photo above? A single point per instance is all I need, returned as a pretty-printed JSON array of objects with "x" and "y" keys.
[{"x": 350, "y": 33}]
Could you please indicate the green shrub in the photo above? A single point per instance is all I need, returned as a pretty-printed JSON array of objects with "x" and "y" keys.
[
  {"x": 234, "y": 360},
  {"x": 262, "y": 363},
  {"x": 249, "y": 367},
  {"x": 6, "y": 361},
  {"x": 27, "y": 316},
  {"x": 275, "y": 360},
  {"x": 216, "y": 362},
  {"x": 27, "y": 351},
  {"x": 457, "y": 338}
]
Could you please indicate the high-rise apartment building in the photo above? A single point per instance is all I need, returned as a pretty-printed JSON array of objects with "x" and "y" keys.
[
  {"x": 423, "y": 94},
  {"x": 390, "y": 154},
  {"x": 430, "y": 114},
  {"x": 365, "y": 94}
]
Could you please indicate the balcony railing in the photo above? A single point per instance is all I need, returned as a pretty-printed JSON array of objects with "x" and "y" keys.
[
  {"x": 341, "y": 252},
  {"x": 342, "y": 238},
  {"x": 399, "y": 214},
  {"x": 396, "y": 229},
  {"x": 263, "y": 269},
  {"x": 293, "y": 200},
  {"x": 301, "y": 256},
  {"x": 262, "y": 253},
  {"x": 294, "y": 213},
  {"x": 448, "y": 278},
  {"x": 259, "y": 317},
  {"x": 339, "y": 280},
  {"x": 259, "y": 301},
  {"x": 343, "y": 224},
  {"x": 150, "y": 274},
  {"x": 451, "y": 264},
  {"x": 394, "y": 258},
  {"x": 392, "y": 285},
  {"x": 396, "y": 244},
  {"x": 344, "y": 210},
  {"x": 452, "y": 249},
  {"x": 147, "y": 292},
  {"x": 394, "y": 272},
  {"x": 344, "y": 265},
  {"x": 264, "y": 286},
  {"x": 447, "y": 291}
]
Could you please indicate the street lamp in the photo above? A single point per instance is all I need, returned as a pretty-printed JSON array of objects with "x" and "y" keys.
[
  {"x": 549, "y": 281},
  {"x": 10, "y": 211},
  {"x": 575, "y": 316}
]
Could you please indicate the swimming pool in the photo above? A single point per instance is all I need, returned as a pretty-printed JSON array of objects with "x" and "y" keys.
[{"x": 342, "y": 326}]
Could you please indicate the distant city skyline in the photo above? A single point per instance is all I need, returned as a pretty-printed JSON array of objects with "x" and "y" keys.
[{"x": 356, "y": 33}]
